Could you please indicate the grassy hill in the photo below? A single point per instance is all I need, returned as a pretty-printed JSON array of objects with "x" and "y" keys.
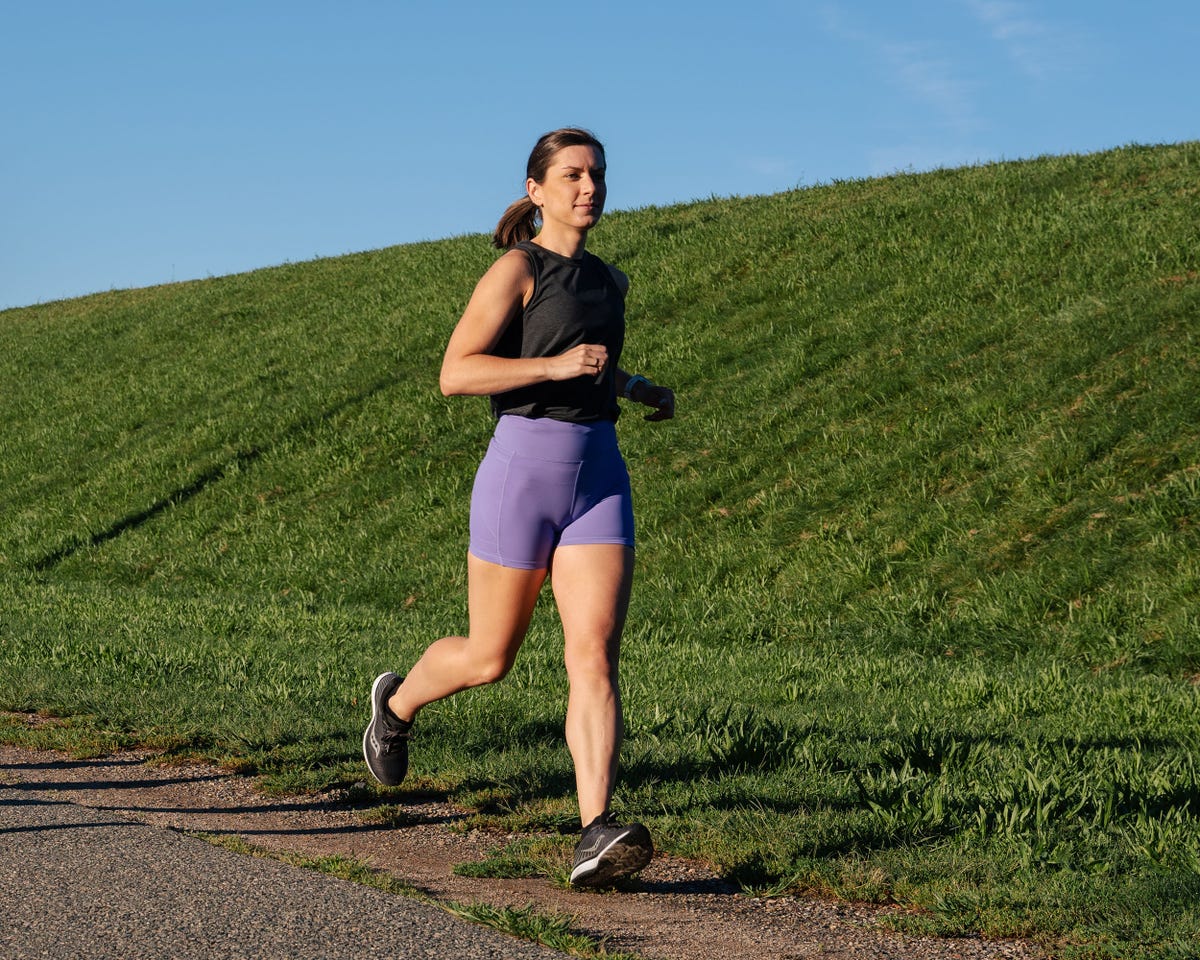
[{"x": 917, "y": 612}]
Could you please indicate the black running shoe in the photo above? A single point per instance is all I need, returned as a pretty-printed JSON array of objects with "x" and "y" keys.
[
  {"x": 609, "y": 850},
  {"x": 385, "y": 741}
]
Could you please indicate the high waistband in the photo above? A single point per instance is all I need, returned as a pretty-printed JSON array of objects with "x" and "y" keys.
[{"x": 561, "y": 441}]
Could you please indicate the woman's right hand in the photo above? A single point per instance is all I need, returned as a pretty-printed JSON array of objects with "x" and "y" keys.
[{"x": 585, "y": 360}]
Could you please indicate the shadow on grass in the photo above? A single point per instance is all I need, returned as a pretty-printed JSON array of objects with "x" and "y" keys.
[
  {"x": 242, "y": 458},
  {"x": 207, "y": 478}
]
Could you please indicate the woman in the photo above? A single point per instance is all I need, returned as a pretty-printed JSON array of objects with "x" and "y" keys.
[{"x": 542, "y": 337}]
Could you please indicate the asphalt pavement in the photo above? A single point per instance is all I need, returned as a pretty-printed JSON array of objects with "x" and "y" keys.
[{"x": 76, "y": 882}]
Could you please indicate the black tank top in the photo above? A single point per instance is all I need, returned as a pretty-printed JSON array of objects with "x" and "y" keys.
[{"x": 574, "y": 301}]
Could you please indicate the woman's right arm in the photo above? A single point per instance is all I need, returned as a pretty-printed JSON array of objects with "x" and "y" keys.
[{"x": 470, "y": 369}]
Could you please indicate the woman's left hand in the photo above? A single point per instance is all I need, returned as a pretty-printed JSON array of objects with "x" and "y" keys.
[{"x": 653, "y": 395}]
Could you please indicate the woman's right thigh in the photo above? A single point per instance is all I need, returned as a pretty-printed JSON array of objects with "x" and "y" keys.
[{"x": 500, "y": 603}]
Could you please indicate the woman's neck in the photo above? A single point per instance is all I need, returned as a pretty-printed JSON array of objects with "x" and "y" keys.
[{"x": 563, "y": 241}]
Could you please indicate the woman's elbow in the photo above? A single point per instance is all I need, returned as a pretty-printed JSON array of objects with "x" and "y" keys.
[{"x": 450, "y": 381}]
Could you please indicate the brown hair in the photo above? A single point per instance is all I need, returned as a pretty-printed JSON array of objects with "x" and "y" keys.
[{"x": 519, "y": 221}]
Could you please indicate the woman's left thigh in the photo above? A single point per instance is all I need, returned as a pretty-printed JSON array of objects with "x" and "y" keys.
[{"x": 592, "y": 583}]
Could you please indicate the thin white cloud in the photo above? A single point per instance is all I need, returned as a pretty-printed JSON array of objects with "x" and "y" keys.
[
  {"x": 942, "y": 126},
  {"x": 1007, "y": 19},
  {"x": 916, "y": 68},
  {"x": 1038, "y": 47},
  {"x": 933, "y": 81}
]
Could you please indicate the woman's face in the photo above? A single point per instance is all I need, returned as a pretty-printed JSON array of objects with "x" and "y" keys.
[{"x": 573, "y": 190}]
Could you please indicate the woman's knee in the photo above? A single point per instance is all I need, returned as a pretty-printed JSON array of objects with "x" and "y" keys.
[
  {"x": 492, "y": 668},
  {"x": 594, "y": 663}
]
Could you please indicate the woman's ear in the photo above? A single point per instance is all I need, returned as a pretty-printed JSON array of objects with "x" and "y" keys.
[{"x": 534, "y": 190}]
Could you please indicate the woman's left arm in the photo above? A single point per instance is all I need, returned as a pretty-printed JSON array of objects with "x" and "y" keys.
[{"x": 645, "y": 392}]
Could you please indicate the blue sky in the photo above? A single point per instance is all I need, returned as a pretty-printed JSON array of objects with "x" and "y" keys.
[{"x": 148, "y": 142}]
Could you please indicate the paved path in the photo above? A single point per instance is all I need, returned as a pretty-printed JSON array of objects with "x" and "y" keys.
[{"x": 77, "y": 882}]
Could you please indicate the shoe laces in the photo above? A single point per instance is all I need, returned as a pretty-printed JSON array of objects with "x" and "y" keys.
[{"x": 390, "y": 737}]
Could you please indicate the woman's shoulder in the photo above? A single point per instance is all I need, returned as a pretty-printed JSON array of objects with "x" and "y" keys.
[
  {"x": 515, "y": 261},
  {"x": 511, "y": 275},
  {"x": 619, "y": 278}
]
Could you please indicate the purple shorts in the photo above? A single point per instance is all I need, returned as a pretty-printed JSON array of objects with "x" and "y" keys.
[{"x": 547, "y": 483}]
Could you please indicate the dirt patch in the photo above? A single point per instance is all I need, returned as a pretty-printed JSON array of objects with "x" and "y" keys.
[{"x": 677, "y": 910}]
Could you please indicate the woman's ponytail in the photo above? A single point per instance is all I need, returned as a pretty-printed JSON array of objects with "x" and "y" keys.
[{"x": 518, "y": 222}]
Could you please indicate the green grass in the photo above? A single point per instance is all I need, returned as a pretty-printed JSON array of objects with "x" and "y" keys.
[{"x": 916, "y": 616}]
